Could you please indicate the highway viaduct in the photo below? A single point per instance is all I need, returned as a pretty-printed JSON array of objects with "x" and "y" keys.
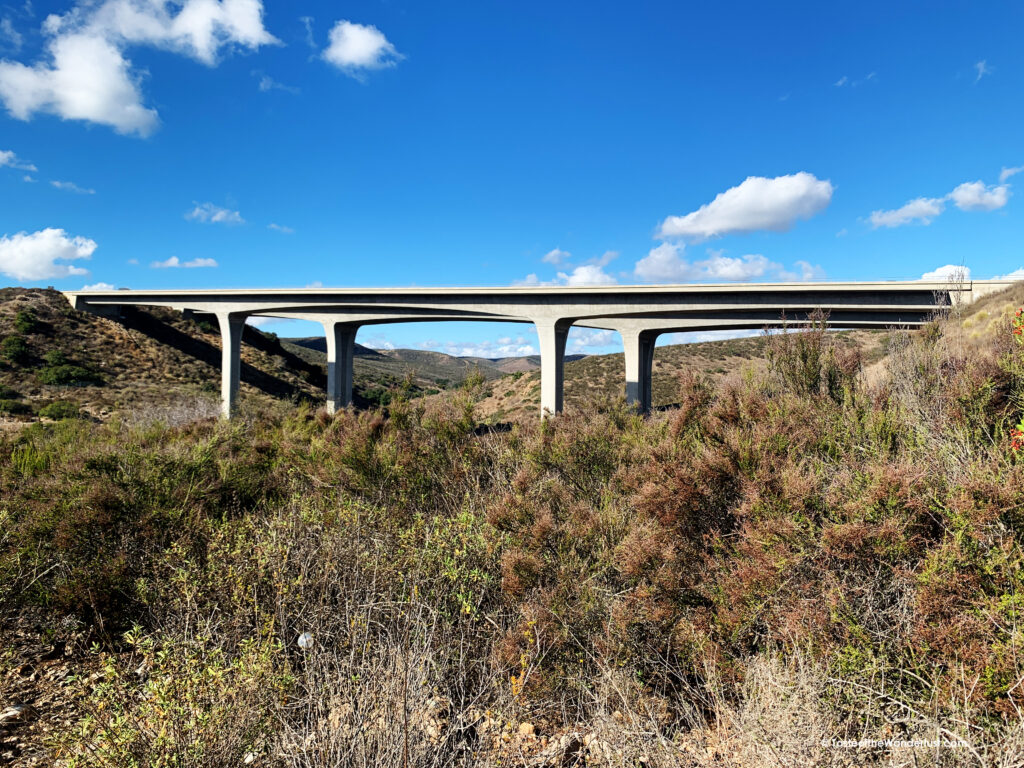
[{"x": 638, "y": 313}]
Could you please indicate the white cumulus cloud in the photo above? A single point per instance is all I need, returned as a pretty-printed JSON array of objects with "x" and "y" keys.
[
  {"x": 758, "y": 203},
  {"x": 976, "y": 196},
  {"x": 214, "y": 214},
  {"x": 85, "y": 74},
  {"x": 98, "y": 287},
  {"x": 586, "y": 274},
  {"x": 920, "y": 210},
  {"x": 948, "y": 272},
  {"x": 39, "y": 255},
  {"x": 666, "y": 263},
  {"x": 174, "y": 262},
  {"x": 589, "y": 340},
  {"x": 969, "y": 196},
  {"x": 355, "y": 48}
]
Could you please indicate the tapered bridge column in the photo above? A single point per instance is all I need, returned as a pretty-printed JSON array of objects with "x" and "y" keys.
[
  {"x": 341, "y": 346},
  {"x": 638, "y": 347},
  {"x": 552, "y": 336},
  {"x": 231, "y": 327}
]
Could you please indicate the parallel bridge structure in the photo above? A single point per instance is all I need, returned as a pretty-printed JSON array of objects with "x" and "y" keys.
[{"x": 638, "y": 313}]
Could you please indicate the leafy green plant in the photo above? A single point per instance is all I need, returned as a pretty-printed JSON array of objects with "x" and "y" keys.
[
  {"x": 55, "y": 357},
  {"x": 14, "y": 349},
  {"x": 69, "y": 375},
  {"x": 60, "y": 409},
  {"x": 13, "y": 407},
  {"x": 25, "y": 321}
]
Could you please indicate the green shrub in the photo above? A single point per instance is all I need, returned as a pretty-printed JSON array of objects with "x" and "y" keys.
[
  {"x": 25, "y": 321},
  {"x": 55, "y": 357},
  {"x": 13, "y": 407},
  {"x": 69, "y": 375},
  {"x": 14, "y": 349},
  {"x": 6, "y": 393},
  {"x": 60, "y": 409}
]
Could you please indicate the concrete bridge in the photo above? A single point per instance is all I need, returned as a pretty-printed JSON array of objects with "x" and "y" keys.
[{"x": 639, "y": 313}]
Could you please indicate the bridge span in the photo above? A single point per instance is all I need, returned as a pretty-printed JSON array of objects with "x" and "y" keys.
[{"x": 638, "y": 313}]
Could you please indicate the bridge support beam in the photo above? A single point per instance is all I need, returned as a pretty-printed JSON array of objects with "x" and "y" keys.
[
  {"x": 638, "y": 348},
  {"x": 552, "y": 336},
  {"x": 231, "y": 327},
  {"x": 341, "y": 347}
]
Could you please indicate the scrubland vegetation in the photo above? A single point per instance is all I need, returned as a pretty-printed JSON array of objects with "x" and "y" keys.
[{"x": 782, "y": 560}]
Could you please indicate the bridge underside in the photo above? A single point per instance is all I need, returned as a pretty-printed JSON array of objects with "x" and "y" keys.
[{"x": 638, "y": 313}]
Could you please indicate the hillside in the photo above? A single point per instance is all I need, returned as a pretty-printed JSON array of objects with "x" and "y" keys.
[{"x": 148, "y": 359}]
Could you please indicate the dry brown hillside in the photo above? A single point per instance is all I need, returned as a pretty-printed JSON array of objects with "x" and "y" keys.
[{"x": 146, "y": 358}]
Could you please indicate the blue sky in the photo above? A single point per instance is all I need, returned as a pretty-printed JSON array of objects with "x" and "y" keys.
[{"x": 147, "y": 144}]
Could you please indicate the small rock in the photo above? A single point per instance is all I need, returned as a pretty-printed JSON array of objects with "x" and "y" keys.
[
  {"x": 526, "y": 730},
  {"x": 12, "y": 713}
]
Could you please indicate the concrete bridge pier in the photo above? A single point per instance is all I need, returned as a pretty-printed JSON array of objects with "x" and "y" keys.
[
  {"x": 231, "y": 326},
  {"x": 552, "y": 335},
  {"x": 341, "y": 346},
  {"x": 638, "y": 348}
]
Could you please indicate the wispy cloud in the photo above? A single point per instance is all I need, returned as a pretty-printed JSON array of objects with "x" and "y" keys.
[
  {"x": 1006, "y": 173},
  {"x": 844, "y": 80},
  {"x": 307, "y": 22},
  {"x": 266, "y": 83},
  {"x": 9, "y": 159},
  {"x": 70, "y": 186},
  {"x": 174, "y": 262},
  {"x": 214, "y": 214},
  {"x": 556, "y": 256},
  {"x": 982, "y": 68},
  {"x": 281, "y": 228},
  {"x": 10, "y": 38}
]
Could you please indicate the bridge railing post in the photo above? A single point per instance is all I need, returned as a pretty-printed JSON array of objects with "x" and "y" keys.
[
  {"x": 341, "y": 344},
  {"x": 552, "y": 335},
  {"x": 231, "y": 326}
]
